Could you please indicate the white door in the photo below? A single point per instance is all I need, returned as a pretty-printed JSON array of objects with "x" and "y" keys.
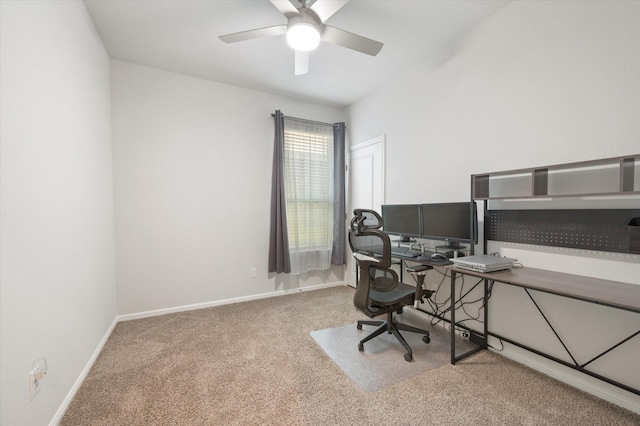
[{"x": 366, "y": 177}]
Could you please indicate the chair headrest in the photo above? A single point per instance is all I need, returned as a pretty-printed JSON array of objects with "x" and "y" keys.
[{"x": 365, "y": 219}]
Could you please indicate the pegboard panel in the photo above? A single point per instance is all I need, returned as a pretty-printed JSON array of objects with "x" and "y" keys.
[{"x": 602, "y": 230}]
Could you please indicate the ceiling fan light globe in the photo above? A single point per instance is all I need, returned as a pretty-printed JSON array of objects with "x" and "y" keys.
[{"x": 303, "y": 36}]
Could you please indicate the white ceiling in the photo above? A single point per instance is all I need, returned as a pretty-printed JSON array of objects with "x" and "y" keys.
[{"x": 182, "y": 36}]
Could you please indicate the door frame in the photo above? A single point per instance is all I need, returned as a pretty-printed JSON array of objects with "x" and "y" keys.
[{"x": 381, "y": 140}]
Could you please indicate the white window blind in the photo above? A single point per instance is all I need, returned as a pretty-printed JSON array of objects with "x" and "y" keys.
[{"x": 308, "y": 164}]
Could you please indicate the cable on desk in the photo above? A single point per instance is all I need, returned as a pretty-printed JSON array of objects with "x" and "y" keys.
[
  {"x": 435, "y": 306},
  {"x": 516, "y": 265},
  {"x": 489, "y": 290},
  {"x": 470, "y": 317},
  {"x": 496, "y": 349},
  {"x": 438, "y": 313}
]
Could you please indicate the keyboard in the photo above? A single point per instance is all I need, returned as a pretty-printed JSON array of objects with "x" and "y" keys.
[{"x": 405, "y": 252}]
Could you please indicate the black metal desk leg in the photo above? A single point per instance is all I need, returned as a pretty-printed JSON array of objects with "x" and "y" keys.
[
  {"x": 454, "y": 357},
  {"x": 486, "y": 313},
  {"x": 453, "y": 317}
]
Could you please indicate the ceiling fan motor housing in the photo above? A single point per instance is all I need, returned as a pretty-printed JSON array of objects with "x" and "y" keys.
[{"x": 304, "y": 30}]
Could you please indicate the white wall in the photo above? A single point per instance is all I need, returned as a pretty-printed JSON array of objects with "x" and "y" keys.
[
  {"x": 538, "y": 83},
  {"x": 57, "y": 226},
  {"x": 193, "y": 185}
]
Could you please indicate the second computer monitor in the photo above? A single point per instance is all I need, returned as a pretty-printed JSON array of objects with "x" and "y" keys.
[{"x": 449, "y": 222}]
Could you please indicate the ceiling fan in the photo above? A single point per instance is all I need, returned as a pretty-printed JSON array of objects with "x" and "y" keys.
[{"x": 305, "y": 29}]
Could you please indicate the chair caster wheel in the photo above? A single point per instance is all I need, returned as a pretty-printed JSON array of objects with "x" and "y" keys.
[
  {"x": 360, "y": 347},
  {"x": 408, "y": 357},
  {"x": 359, "y": 326},
  {"x": 426, "y": 339}
]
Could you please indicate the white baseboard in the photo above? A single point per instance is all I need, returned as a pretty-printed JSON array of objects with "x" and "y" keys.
[
  {"x": 165, "y": 311},
  {"x": 83, "y": 375}
]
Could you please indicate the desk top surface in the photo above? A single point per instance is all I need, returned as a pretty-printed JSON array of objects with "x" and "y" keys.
[{"x": 605, "y": 292}]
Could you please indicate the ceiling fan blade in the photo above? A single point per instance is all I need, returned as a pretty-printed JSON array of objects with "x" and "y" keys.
[
  {"x": 285, "y": 7},
  {"x": 251, "y": 34},
  {"x": 302, "y": 62},
  {"x": 351, "y": 41},
  {"x": 325, "y": 8}
]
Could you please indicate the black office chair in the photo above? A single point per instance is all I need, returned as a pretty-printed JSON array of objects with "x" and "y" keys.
[{"x": 378, "y": 291}]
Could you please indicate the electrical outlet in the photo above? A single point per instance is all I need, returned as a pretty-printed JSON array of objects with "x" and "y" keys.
[
  {"x": 465, "y": 334},
  {"x": 38, "y": 372},
  {"x": 253, "y": 272},
  {"x": 34, "y": 385}
]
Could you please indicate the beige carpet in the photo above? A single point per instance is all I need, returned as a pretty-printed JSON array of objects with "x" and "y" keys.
[
  {"x": 255, "y": 363},
  {"x": 382, "y": 363}
]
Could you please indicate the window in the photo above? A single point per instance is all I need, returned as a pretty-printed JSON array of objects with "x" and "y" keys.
[{"x": 308, "y": 167}]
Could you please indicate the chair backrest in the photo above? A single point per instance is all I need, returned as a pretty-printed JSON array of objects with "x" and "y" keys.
[
  {"x": 371, "y": 248},
  {"x": 365, "y": 236}
]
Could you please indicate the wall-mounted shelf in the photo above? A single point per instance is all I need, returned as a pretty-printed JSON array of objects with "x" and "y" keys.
[
  {"x": 602, "y": 230},
  {"x": 610, "y": 176}
]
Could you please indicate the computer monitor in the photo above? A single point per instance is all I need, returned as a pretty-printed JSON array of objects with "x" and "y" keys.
[
  {"x": 453, "y": 223},
  {"x": 402, "y": 219}
]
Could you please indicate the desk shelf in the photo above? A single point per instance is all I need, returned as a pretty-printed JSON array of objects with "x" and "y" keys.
[
  {"x": 604, "y": 177},
  {"x": 603, "y": 230}
]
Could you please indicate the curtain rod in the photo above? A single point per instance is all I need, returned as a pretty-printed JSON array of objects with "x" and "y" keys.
[{"x": 305, "y": 120}]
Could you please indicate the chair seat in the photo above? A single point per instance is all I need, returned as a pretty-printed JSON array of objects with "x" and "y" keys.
[{"x": 401, "y": 292}]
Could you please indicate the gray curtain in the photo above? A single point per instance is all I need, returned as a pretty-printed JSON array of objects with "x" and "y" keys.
[
  {"x": 338, "y": 254},
  {"x": 279, "y": 260}
]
